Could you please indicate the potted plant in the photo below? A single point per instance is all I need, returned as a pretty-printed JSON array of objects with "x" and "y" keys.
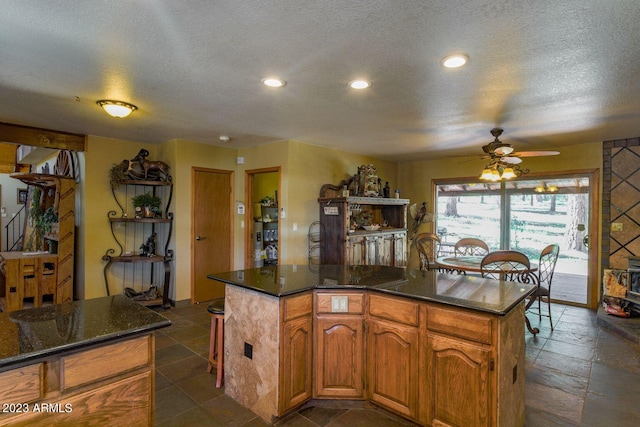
[
  {"x": 267, "y": 201},
  {"x": 146, "y": 205}
]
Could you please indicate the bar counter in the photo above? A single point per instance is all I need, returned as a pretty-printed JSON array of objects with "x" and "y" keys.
[{"x": 435, "y": 348}]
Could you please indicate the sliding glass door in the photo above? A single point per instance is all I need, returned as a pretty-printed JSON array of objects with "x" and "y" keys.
[{"x": 525, "y": 215}]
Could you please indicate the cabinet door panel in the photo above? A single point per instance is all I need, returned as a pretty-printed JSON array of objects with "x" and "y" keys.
[
  {"x": 400, "y": 250},
  {"x": 296, "y": 363},
  {"x": 385, "y": 249},
  {"x": 459, "y": 375},
  {"x": 339, "y": 356},
  {"x": 356, "y": 251},
  {"x": 392, "y": 365}
]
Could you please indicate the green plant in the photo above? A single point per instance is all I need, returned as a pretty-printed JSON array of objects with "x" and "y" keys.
[
  {"x": 117, "y": 175},
  {"x": 147, "y": 201},
  {"x": 42, "y": 222}
]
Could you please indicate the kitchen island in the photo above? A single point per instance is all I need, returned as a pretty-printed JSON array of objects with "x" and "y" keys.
[
  {"x": 85, "y": 362},
  {"x": 438, "y": 349}
]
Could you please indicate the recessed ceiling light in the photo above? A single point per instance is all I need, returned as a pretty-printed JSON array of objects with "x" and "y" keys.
[
  {"x": 359, "y": 84},
  {"x": 454, "y": 61},
  {"x": 273, "y": 82}
]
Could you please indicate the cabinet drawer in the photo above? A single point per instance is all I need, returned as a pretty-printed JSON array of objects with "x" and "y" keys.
[
  {"x": 297, "y": 306},
  {"x": 394, "y": 309},
  {"x": 340, "y": 302},
  {"x": 104, "y": 362},
  {"x": 474, "y": 327},
  {"x": 21, "y": 385}
]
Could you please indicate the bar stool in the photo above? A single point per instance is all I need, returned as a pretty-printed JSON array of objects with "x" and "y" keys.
[{"x": 216, "y": 340}]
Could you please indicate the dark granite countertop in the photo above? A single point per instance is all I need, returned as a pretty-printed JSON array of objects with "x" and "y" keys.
[
  {"x": 475, "y": 293},
  {"x": 31, "y": 334}
]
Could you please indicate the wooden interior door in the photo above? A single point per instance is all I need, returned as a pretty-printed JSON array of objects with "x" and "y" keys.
[{"x": 212, "y": 233}]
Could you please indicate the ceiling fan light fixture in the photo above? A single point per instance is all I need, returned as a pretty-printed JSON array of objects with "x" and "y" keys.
[
  {"x": 508, "y": 173},
  {"x": 273, "y": 82},
  {"x": 117, "y": 109},
  {"x": 504, "y": 150},
  {"x": 486, "y": 174},
  {"x": 455, "y": 61}
]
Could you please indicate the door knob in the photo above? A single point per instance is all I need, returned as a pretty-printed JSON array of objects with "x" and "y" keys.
[
  {"x": 200, "y": 238},
  {"x": 585, "y": 241}
]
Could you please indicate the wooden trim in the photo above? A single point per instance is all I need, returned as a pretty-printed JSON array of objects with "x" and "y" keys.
[{"x": 38, "y": 137}]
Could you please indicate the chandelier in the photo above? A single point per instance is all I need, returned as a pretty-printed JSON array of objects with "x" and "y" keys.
[{"x": 499, "y": 170}]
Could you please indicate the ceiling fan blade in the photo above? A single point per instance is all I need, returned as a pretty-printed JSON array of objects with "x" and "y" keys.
[
  {"x": 535, "y": 153},
  {"x": 511, "y": 160}
]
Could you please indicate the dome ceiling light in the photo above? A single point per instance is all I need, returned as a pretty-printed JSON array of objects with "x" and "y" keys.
[{"x": 117, "y": 109}]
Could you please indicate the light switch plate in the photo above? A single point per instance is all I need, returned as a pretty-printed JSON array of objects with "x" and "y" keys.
[{"x": 339, "y": 303}]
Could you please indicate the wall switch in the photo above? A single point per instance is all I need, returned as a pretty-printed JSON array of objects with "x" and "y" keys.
[
  {"x": 295, "y": 226},
  {"x": 248, "y": 350},
  {"x": 339, "y": 303}
]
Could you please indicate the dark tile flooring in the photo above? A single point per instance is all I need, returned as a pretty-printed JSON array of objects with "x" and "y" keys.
[{"x": 579, "y": 374}]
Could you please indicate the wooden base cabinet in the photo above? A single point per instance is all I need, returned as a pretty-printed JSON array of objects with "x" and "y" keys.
[
  {"x": 108, "y": 385},
  {"x": 296, "y": 351},
  {"x": 339, "y": 345},
  {"x": 392, "y": 354}
]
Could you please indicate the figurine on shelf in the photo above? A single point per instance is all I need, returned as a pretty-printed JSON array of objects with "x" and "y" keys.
[{"x": 149, "y": 247}]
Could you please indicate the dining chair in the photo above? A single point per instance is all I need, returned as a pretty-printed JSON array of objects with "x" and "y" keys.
[
  {"x": 546, "y": 267},
  {"x": 507, "y": 265},
  {"x": 428, "y": 246},
  {"x": 470, "y": 246}
]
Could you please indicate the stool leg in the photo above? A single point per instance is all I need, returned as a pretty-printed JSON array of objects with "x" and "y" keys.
[
  {"x": 212, "y": 346},
  {"x": 220, "y": 351}
]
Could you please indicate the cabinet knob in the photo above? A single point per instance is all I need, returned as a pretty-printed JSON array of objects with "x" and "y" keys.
[{"x": 200, "y": 238}]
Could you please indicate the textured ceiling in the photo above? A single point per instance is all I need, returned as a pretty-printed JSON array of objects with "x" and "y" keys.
[{"x": 551, "y": 73}]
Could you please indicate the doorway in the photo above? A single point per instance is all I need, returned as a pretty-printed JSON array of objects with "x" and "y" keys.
[
  {"x": 212, "y": 230},
  {"x": 262, "y": 234},
  {"x": 526, "y": 215}
]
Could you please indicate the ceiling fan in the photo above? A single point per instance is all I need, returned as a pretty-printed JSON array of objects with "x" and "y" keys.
[
  {"x": 500, "y": 151},
  {"x": 505, "y": 160}
]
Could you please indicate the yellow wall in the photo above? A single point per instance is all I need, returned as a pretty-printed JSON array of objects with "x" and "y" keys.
[{"x": 304, "y": 169}]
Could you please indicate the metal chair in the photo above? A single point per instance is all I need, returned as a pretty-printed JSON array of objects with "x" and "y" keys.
[
  {"x": 546, "y": 267},
  {"x": 507, "y": 265},
  {"x": 428, "y": 246},
  {"x": 470, "y": 246}
]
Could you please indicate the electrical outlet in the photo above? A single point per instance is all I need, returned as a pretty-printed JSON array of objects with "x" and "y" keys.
[
  {"x": 248, "y": 350},
  {"x": 616, "y": 226}
]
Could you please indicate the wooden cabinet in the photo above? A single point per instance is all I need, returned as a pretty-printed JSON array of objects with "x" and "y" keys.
[
  {"x": 143, "y": 242},
  {"x": 460, "y": 381},
  {"x": 339, "y": 345},
  {"x": 392, "y": 354},
  {"x": 85, "y": 388},
  {"x": 344, "y": 243},
  {"x": 296, "y": 351},
  {"x": 37, "y": 275}
]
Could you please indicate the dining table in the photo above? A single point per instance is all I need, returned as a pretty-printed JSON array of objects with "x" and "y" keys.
[{"x": 472, "y": 263}]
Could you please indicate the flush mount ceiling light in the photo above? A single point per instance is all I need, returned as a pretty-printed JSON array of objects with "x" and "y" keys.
[
  {"x": 273, "y": 82},
  {"x": 359, "y": 84},
  {"x": 117, "y": 109},
  {"x": 455, "y": 61}
]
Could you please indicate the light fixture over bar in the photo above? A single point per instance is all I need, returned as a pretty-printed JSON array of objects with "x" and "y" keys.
[{"x": 118, "y": 109}]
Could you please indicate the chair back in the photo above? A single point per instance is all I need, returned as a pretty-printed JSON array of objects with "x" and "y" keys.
[
  {"x": 428, "y": 246},
  {"x": 547, "y": 264},
  {"x": 507, "y": 265},
  {"x": 470, "y": 246}
]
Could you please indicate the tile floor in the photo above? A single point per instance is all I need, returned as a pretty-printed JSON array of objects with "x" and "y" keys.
[{"x": 579, "y": 374}]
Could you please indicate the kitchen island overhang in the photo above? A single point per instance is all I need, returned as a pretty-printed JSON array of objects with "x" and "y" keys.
[{"x": 292, "y": 315}]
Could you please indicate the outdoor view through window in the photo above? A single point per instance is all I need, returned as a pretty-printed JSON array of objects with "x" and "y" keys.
[{"x": 523, "y": 215}]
